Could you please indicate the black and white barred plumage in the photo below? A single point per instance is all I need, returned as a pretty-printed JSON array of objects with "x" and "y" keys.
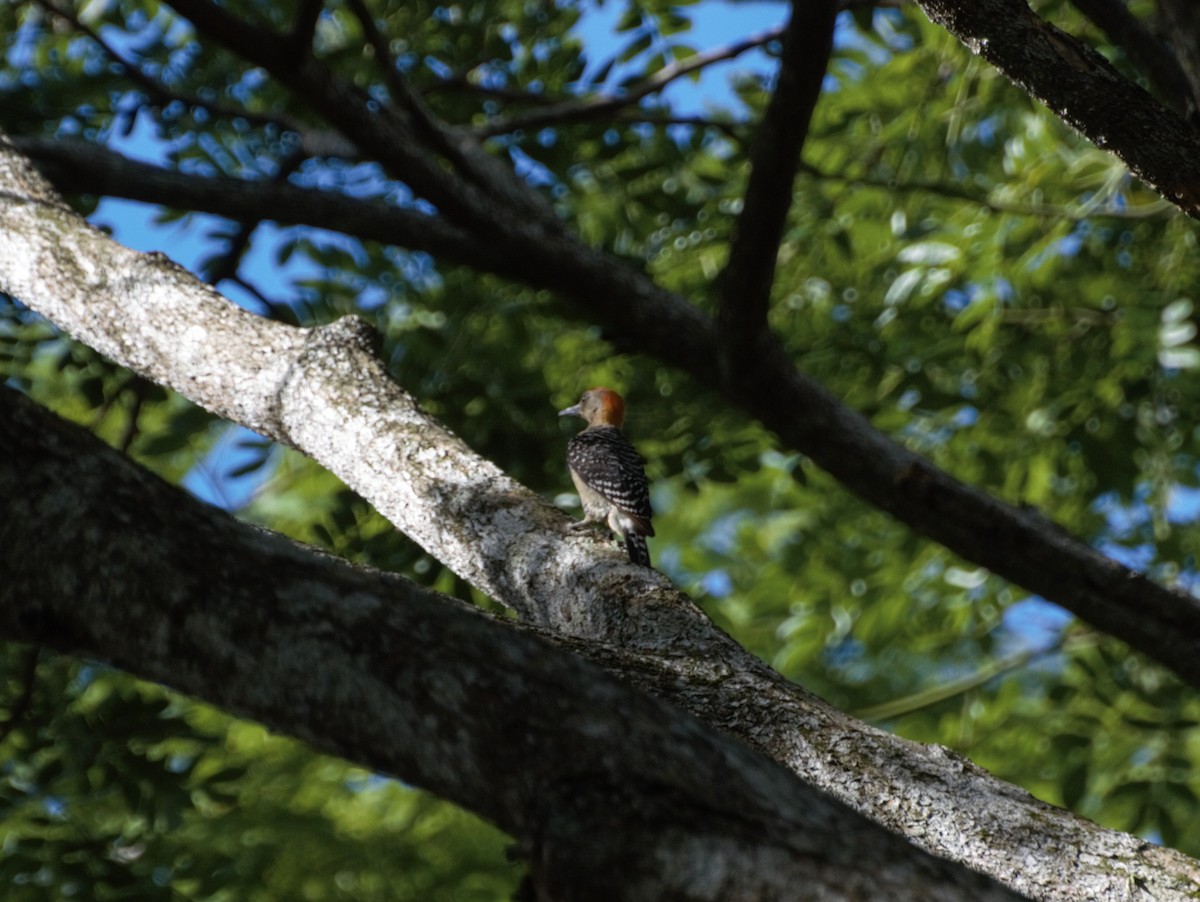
[{"x": 609, "y": 474}]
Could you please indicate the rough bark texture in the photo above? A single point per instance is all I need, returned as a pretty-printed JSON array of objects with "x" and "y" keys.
[
  {"x": 1016, "y": 543},
  {"x": 324, "y": 391},
  {"x": 600, "y": 783},
  {"x": 1082, "y": 87}
]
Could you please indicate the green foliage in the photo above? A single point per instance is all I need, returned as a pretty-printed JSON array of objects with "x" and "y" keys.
[
  {"x": 114, "y": 789},
  {"x": 987, "y": 288}
]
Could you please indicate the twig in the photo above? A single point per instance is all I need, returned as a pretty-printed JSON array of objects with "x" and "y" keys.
[
  {"x": 272, "y": 309},
  {"x": 570, "y": 111},
  {"x": 731, "y": 129},
  {"x": 926, "y": 698},
  {"x": 226, "y": 266},
  {"x": 1160, "y": 207}
]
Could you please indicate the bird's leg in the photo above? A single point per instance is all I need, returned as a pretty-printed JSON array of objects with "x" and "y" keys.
[{"x": 588, "y": 523}]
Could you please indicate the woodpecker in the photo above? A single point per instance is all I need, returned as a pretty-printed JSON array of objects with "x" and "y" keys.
[{"x": 608, "y": 472}]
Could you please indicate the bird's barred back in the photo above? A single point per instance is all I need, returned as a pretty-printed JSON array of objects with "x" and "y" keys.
[{"x": 609, "y": 463}]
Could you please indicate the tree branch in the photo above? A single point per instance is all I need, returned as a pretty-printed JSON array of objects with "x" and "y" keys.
[
  {"x": 459, "y": 146},
  {"x": 79, "y": 166},
  {"x": 956, "y": 686},
  {"x": 226, "y": 265},
  {"x": 325, "y": 391},
  {"x": 1098, "y": 207},
  {"x": 1083, "y": 88},
  {"x": 567, "y": 112},
  {"x": 313, "y": 143},
  {"x": 1144, "y": 48},
  {"x": 1017, "y": 544},
  {"x": 744, "y": 287},
  {"x": 372, "y": 668},
  {"x": 405, "y": 138}
]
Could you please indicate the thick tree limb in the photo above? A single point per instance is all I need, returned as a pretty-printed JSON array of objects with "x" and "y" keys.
[
  {"x": 1143, "y": 47},
  {"x": 1014, "y": 543},
  {"x": 325, "y": 391},
  {"x": 374, "y": 669},
  {"x": 1083, "y": 88},
  {"x": 1017, "y": 544},
  {"x": 744, "y": 287}
]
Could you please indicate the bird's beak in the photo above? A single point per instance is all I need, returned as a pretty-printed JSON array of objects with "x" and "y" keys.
[{"x": 572, "y": 411}]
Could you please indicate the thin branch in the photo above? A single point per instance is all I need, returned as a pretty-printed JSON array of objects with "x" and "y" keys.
[
  {"x": 1016, "y": 543},
  {"x": 313, "y": 142},
  {"x": 1160, "y": 208},
  {"x": 744, "y": 287},
  {"x": 397, "y": 86},
  {"x": 390, "y": 133},
  {"x": 572, "y": 111},
  {"x": 271, "y": 308},
  {"x": 461, "y": 82},
  {"x": 459, "y": 146},
  {"x": 151, "y": 86},
  {"x": 226, "y": 266},
  {"x": 730, "y": 128},
  {"x": 935, "y": 695}
]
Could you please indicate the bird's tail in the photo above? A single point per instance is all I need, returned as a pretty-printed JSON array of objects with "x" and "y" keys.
[{"x": 636, "y": 546}]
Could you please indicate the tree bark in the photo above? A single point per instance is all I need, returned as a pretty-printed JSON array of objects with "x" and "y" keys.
[
  {"x": 481, "y": 224},
  {"x": 1084, "y": 89},
  {"x": 601, "y": 784},
  {"x": 325, "y": 392},
  {"x": 1018, "y": 544}
]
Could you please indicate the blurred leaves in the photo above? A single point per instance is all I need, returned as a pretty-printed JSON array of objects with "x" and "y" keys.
[
  {"x": 114, "y": 789},
  {"x": 987, "y": 288}
]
